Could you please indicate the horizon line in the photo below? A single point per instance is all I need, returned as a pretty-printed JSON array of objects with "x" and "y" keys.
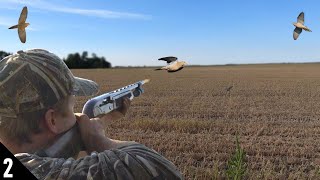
[{"x": 229, "y": 64}]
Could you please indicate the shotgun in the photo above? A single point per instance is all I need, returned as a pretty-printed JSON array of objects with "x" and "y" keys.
[{"x": 69, "y": 144}]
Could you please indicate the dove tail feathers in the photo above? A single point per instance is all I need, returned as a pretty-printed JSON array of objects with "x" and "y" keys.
[
  {"x": 158, "y": 69},
  {"x": 13, "y": 27}
]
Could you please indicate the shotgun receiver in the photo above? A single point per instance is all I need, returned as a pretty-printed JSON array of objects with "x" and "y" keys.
[{"x": 69, "y": 144}]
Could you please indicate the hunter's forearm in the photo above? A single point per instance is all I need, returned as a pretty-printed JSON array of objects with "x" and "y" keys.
[
  {"x": 111, "y": 116},
  {"x": 101, "y": 143}
]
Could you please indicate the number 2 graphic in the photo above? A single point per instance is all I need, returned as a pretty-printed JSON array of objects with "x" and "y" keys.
[{"x": 6, "y": 173}]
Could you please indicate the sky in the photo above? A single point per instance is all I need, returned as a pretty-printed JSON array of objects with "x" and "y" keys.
[{"x": 138, "y": 32}]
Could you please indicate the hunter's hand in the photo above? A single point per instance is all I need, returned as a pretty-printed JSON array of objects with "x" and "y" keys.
[
  {"x": 93, "y": 135},
  {"x": 118, "y": 113}
]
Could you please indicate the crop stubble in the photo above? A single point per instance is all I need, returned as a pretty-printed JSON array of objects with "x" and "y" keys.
[{"x": 190, "y": 118}]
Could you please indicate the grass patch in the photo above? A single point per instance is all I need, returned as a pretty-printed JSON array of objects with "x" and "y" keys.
[{"x": 237, "y": 167}]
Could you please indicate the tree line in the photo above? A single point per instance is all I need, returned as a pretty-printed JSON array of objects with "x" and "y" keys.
[
  {"x": 77, "y": 61},
  {"x": 3, "y": 54},
  {"x": 83, "y": 61}
]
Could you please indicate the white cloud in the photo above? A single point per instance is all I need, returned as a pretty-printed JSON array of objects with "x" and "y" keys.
[
  {"x": 45, "y": 5},
  {"x": 102, "y": 13}
]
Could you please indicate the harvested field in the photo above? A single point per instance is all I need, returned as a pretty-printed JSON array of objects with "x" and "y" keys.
[{"x": 191, "y": 119}]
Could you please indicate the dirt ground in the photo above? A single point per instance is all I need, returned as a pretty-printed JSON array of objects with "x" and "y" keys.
[{"x": 190, "y": 117}]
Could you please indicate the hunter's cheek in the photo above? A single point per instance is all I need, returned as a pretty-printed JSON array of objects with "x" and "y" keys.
[
  {"x": 69, "y": 122},
  {"x": 72, "y": 119}
]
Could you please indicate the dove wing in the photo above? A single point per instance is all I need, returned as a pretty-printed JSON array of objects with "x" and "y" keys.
[
  {"x": 169, "y": 59},
  {"x": 300, "y": 18},
  {"x": 22, "y": 35},
  {"x": 23, "y": 15},
  {"x": 296, "y": 33}
]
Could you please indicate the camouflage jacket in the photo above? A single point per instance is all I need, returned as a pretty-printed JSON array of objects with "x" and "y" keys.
[{"x": 130, "y": 162}]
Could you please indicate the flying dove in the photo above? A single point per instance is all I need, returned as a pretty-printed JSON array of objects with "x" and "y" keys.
[
  {"x": 172, "y": 64},
  {"x": 299, "y": 26},
  {"x": 22, "y": 25},
  {"x": 229, "y": 88}
]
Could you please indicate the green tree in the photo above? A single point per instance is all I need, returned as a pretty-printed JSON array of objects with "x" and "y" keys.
[
  {"x": 4, "y": 54},
  {"x": 83, "y": 61}
]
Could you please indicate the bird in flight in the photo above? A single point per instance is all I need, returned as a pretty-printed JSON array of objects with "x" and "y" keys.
[
  {"x": 229, "y": 88},
  {"x": 172, "y": 64},
  {"x": 22, "y": 25},
  {"x": 299, "y": 26}
]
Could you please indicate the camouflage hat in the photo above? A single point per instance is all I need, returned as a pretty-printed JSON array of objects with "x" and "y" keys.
[{"x": 36, "y": 79}]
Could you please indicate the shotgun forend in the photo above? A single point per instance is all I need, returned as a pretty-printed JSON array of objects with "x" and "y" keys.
[{"x": 107, "y": 102}]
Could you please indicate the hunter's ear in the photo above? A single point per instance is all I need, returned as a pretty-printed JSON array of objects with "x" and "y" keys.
[{"x": 51, "y": 121}]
